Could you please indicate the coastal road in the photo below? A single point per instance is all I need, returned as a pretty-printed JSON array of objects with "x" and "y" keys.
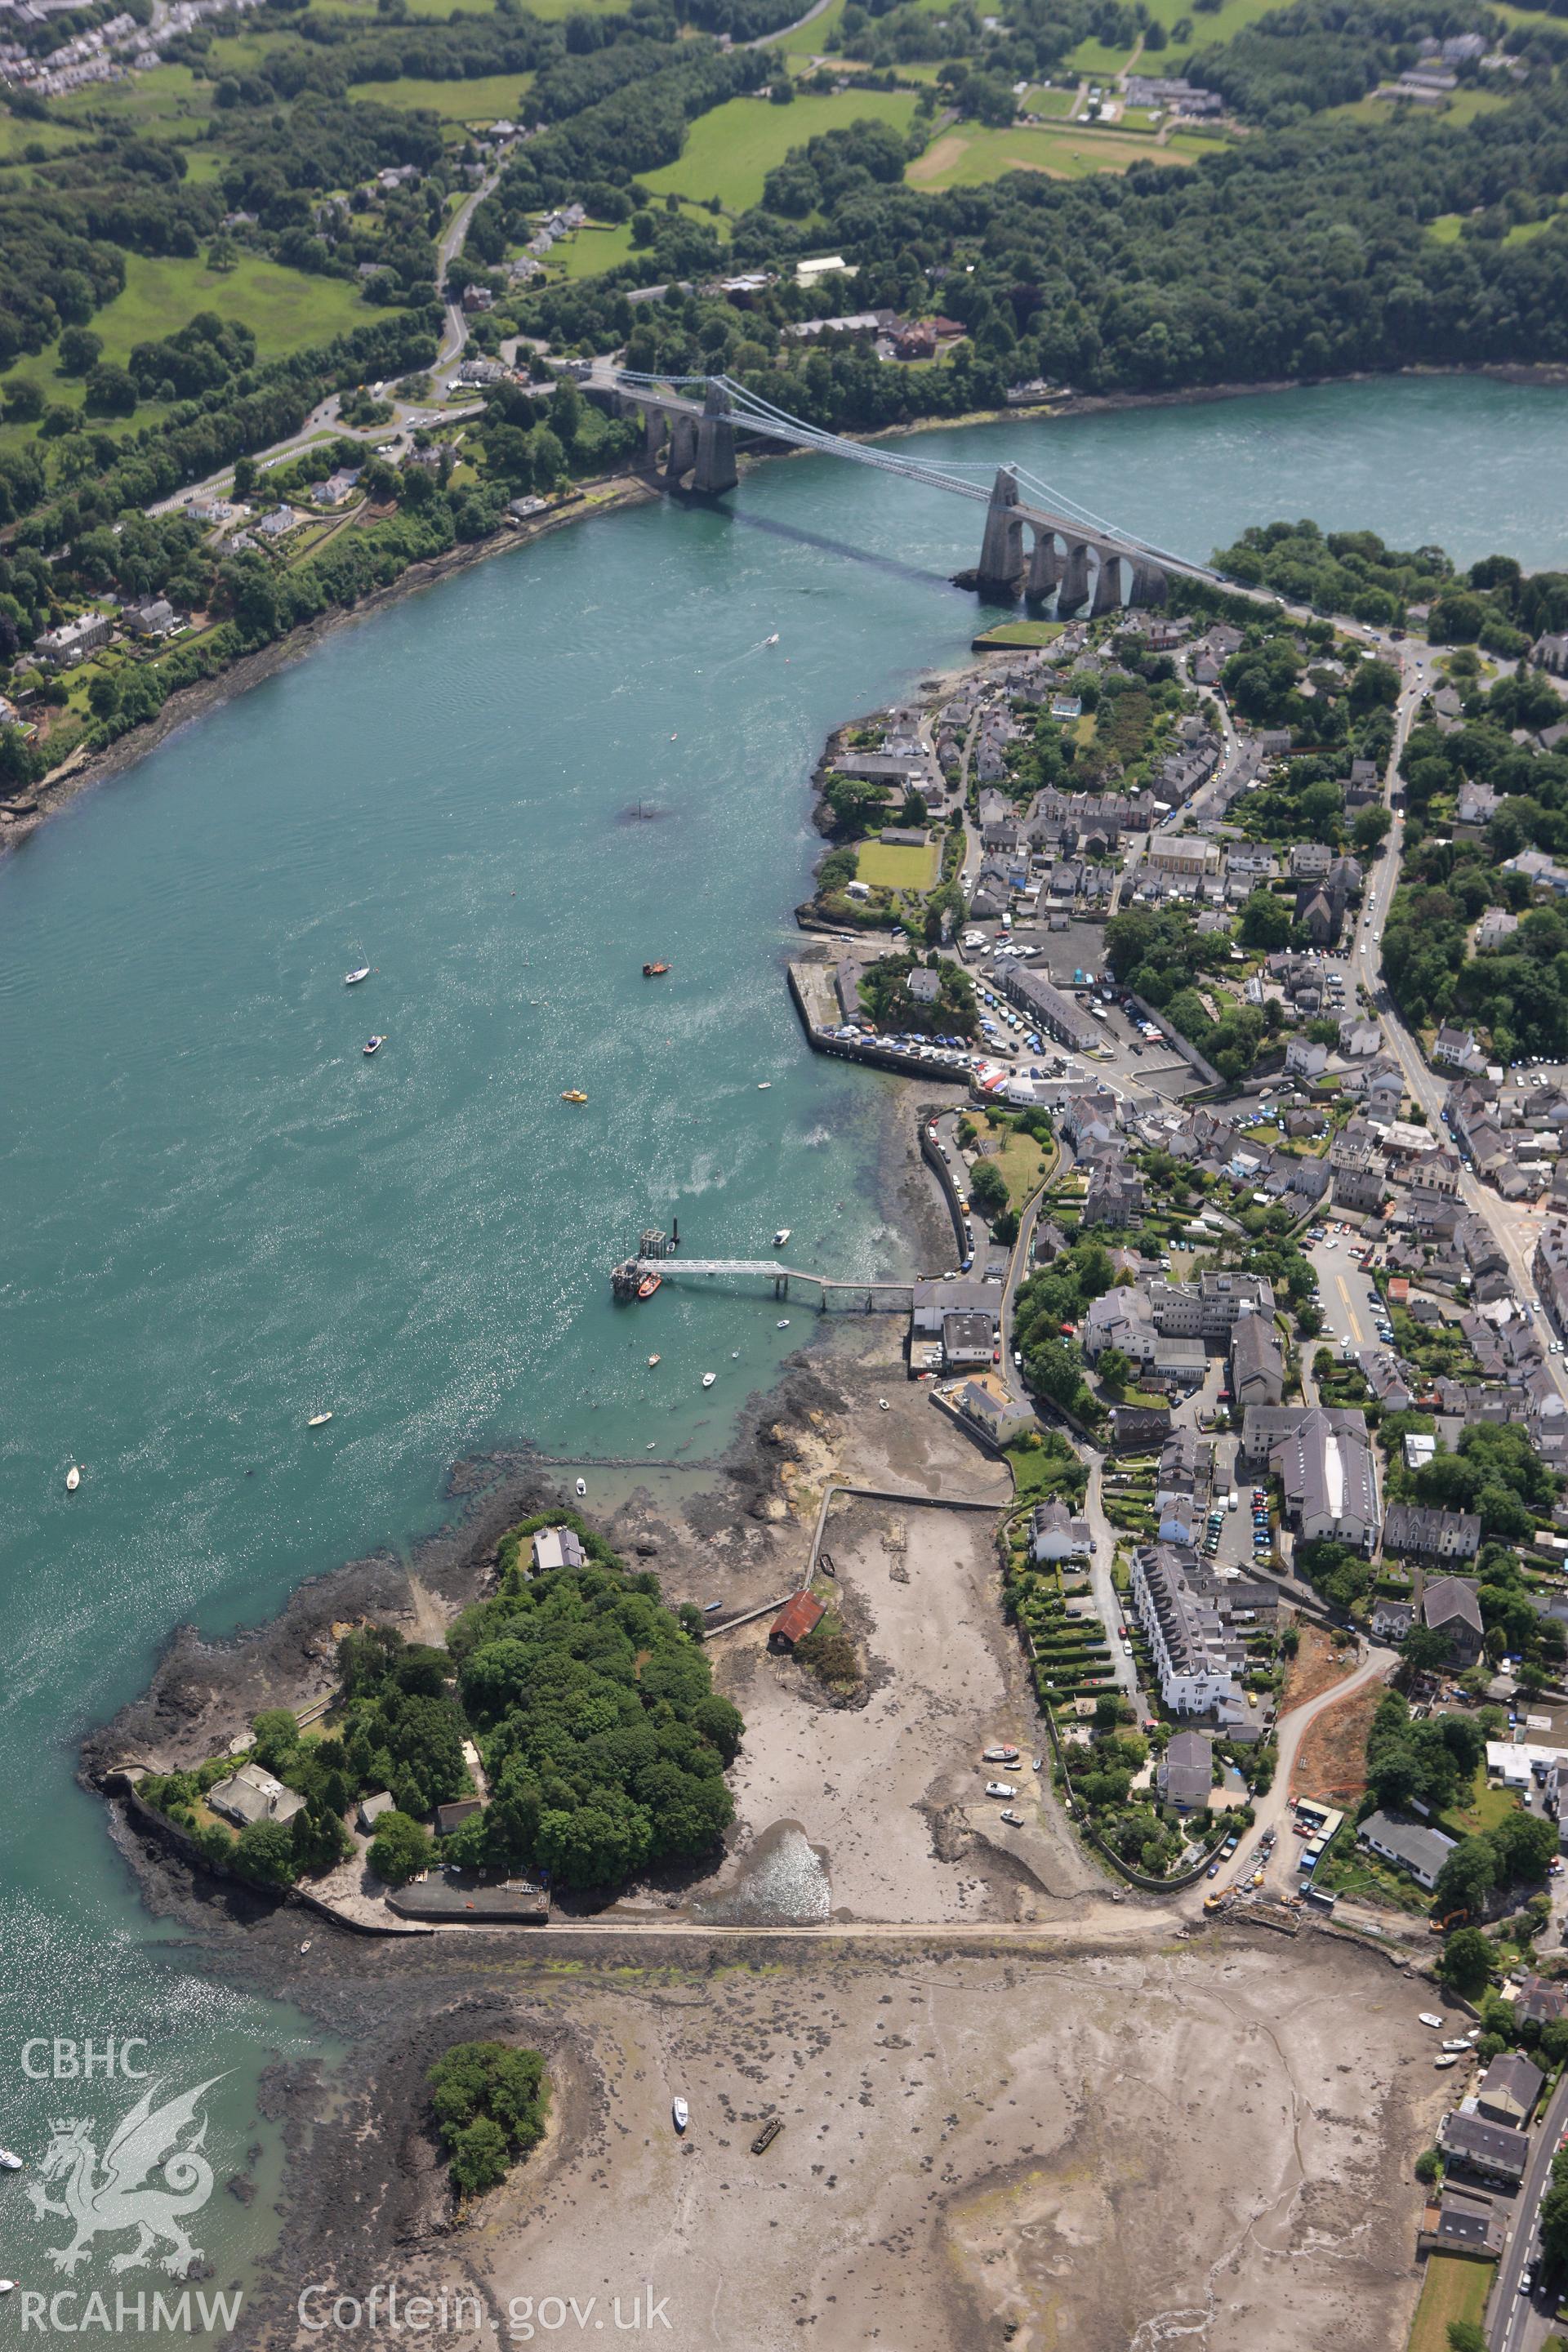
[
  {"x": 455, "y": 333},
  {"x": 1514, "y": 2324},
  {"x": 1515, "y": 1229}
]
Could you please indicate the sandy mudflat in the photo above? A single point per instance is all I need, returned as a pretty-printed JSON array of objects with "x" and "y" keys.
[{"x": 1206, "y": 2141}]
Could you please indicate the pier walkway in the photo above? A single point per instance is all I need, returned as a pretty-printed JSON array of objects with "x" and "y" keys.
[{"x": 879, "y": 1298}]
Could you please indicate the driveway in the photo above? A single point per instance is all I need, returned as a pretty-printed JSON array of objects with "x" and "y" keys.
[{"x": 1274, "y": 1809}]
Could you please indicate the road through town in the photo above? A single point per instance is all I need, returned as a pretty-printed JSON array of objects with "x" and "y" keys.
[{"x": 1515, "y": 1228}]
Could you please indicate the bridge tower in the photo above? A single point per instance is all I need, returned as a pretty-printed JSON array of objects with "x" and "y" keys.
[
  {"x": 1002, "y": 549},
  {"x": 716, "y": 471}
]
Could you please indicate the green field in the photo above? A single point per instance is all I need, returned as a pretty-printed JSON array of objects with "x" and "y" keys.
[
  {"x": 17, "y": 135},
  {"x": 599, "y": 246},
  {"x": 1206, "y": 30},
  {"x": 284, "y": 309},
  {"x": 1092, "y": 59},
  {"x": 168, "y": 100},
  {"x": 896, "y": 867},
  {"x": 1057, "y": 104},
  {"x": 807, "y": 40},
  {"x": 968, "y": 154},
  {"x": 1019, "y": 632},
  {"x": 730, "y": 152},
  {"x": 488, "y": 98},
  {"x": 1454, "y": 2288}
]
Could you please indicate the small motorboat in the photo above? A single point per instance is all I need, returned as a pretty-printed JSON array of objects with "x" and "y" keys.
[
  {"x": 306, "y": 1945},
  {"x": 353, "y": 979},
  {"x": 574, "y": 1095},
  {"x": 883, "y": 1405},
  {"x": 764, "y": 1085},
  {"x": 73, "y": 1479},
  {"x": 9, "y": 2163},
  {"x": 374, "y": 1045},
  {"x": 648, "y": 1285},
  {"x": 582, "y": 1485},
  {"x": 782, "y": 1235},
  {"x": 7, "y": 2286},
  {"x": 784, "y": 1322},
  {"x": 318, "y": 1419},
  {"x": 654, "y": 971},
  {"x": 681, "y": 2113},
  {"x": 772, "y": 640},
  {"x": 651, "y": 1363},
  {"x": 712, "y": 1608},
  {"x": 708, "y": 1379}
]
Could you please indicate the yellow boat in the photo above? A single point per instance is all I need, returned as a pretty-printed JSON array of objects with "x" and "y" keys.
[{"x": 573, "y": 1093}]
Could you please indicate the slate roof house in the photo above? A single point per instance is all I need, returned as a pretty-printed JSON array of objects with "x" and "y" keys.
[
  {"x": 251, "y": 1795},
  {"x": 1444, "y": 1535},
  {"x": 1185, "y": 1772},
  {"x": 1509, "y": 2089},
  {"x": 1449, "y": 1606}
]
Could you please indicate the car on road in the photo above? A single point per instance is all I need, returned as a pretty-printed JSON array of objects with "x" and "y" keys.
[
  {"x": 1000, "y": 1789},
  {"x": 1127, "y": 1649},
  {"x": 1213, "y": 1871},
  {"x": 1527, "y": 2279}
]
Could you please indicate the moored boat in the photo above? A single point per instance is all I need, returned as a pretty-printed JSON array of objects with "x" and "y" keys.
[
  {"x": 782, "y": 1236},
  {"x": 651, "y": 1363},
  {"x": 582, "y": 1485},
  {"x": 654, "y": 971},
  {"x": 374, "y": 1045},
  {"x": 681, "y": 2113},
  {"x": 9, "y": 2163},
  {"x": 73, "y": 1479},
  {"x": 318, "y": 1419},
  {"x": 574, "y": 1095},
  {"x": 353, "y": 979},
  {"x": 708, "y": 1379},
  {"x": 648, "y": 1285}
]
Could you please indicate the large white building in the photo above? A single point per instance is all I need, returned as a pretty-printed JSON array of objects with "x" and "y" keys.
[{"x": 1196, "y": 1655}]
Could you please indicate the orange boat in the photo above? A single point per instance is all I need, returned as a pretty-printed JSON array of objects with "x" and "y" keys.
[
  {"x": 648, "y": 1285},
  {"x": 654, "y": 971}
]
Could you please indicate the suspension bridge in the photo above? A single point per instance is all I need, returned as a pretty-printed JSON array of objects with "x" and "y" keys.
[{"x": 1035, "y": 537}]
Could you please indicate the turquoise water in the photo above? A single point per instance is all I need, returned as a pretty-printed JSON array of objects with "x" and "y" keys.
[{"x": 220, "y": 1218}]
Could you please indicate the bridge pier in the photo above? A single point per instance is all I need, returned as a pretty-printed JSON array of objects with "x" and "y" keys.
[
  {"x": 1107, "y": 583},
  {"x": 1044, "y": 567},
  {"x": 716, "y": 470},
  {"x": 1002, "y": 549},
  {"x": 682, "y": 447}
]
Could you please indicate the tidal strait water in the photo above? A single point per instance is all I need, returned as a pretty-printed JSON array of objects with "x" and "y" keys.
[{"x": 219, "y": 1218}]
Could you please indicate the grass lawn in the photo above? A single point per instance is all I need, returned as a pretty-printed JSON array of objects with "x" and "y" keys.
[
  {"x": 1039, "y": 99},
  {"x": 969, "y": 155},
  {"x": 490, "y": 97},
  {"x": 1100, "y": 64},
  {"x": 897, "y": 867},
  {"x": 1019, "y": 1158},
  {"x": 1488, "y": 1806},
  {"x": 1454, "y": 2288},
  {"x": 1021, "y": 633},
  {"x": 597, "y": 246},
  {"x": 729, "y": 152}
]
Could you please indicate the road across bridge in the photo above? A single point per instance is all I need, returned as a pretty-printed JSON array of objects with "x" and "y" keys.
[{"x": 1076, "y": 560}]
